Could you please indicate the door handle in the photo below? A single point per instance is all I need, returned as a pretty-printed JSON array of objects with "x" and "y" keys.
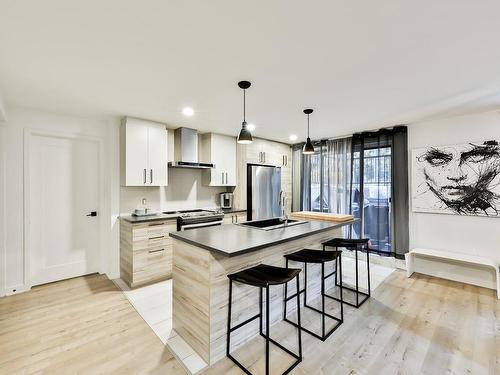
[
  {"x": 144, "y": 175},
  {"x": 151, "y": 176},
  {"x": 264, "y": 156},
  {"x": 226, "y": 178},
  {"x": 222, "y": 174},
  {"x": 93, "y": 213}
]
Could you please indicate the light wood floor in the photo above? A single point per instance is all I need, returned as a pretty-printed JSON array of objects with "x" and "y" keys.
[
  {"x": 421, "y": 325},
  {"x": 79, "y": 326}
]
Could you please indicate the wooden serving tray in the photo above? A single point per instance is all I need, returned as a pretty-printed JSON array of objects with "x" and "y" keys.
[{"x": 326, "y": 216}]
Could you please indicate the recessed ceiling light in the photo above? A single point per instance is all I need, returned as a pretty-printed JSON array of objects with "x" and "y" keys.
[
  {"x": 293, "y": 137},
  {"x": 188, "y": 111},
  {"x": 251, "y": 127}
]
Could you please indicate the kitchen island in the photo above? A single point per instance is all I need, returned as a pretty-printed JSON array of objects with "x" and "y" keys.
[{"x": 202, "y": 259}]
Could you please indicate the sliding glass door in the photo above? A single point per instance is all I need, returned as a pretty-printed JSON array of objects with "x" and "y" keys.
[
  {"x": 371, "y": 196},
  {"x": 367, "y": 176}
]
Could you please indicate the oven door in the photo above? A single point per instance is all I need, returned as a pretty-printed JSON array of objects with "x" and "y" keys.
[{"x": 200, "y": 225}]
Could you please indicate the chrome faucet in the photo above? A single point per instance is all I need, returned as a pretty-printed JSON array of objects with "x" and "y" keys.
[{"x": 283, "y": 200}]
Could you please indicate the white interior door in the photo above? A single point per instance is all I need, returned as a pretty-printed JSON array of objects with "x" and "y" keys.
[{"x": 63, "y": 190}]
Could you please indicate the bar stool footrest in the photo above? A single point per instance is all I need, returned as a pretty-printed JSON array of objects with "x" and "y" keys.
[
  {"x": 363, "y": 300},
  {"x": 314, "y": 334},
  {"x": 296, "y": 356},
  {"x": 321, "y": 312}
]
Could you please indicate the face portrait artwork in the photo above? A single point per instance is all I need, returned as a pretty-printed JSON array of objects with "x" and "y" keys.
[{"x": 461, "y": 179}]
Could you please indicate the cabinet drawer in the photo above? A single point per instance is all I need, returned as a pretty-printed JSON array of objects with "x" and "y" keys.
[
  {"x": 146, "y": 231},
  {"x": 152, "y": 242},
  {"x": 152, "y": 264}
]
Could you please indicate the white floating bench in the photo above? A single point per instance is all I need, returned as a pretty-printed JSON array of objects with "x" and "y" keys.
[{"x": 458, "y": 273}]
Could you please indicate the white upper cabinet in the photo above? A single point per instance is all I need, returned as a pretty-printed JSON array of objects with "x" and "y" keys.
[
  {"x": 157, "y": 155},
  {"x": 221, "y": 151},
  {"x": 143, "y": 148}
]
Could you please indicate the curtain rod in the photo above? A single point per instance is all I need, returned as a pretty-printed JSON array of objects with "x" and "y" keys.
[{"x": 350, "y": 135}]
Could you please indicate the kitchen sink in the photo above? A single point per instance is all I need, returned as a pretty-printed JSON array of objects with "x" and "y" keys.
[{"x": 274, "y": 223}]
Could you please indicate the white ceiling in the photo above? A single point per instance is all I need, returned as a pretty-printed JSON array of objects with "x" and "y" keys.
[{"x": 359, "y": 64}]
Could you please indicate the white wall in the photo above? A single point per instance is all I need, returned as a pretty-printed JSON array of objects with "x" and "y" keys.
[
  {"x": 12, "y": 140},
  {"x": 185, "y": 190},
  {"x": 2, "y": 208},
  {"x": 464, "y": 234},
  {"x": 3, "y": 115}
]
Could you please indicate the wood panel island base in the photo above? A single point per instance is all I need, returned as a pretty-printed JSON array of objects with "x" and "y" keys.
[{"x": 202, "y": 259}]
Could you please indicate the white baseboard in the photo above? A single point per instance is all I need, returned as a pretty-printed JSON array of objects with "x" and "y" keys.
[
  {"x": 17, "y": 290},
  {"x": 377, "y": 259}
]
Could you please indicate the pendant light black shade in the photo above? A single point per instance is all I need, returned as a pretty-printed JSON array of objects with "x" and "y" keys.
[
  {"x": 245, "y": 137},
  {"x": 308, "y": 148}
]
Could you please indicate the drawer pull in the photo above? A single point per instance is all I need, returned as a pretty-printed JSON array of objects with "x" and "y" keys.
[
  {"x": 155, "y": 225},
  {"x": 155, "y": 251},
  {"x": 156, "y": 238}
]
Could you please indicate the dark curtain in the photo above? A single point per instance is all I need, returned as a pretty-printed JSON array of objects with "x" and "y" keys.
[
  {"x": 400, "y": 192},
  {"x": 379, "y": 189}
]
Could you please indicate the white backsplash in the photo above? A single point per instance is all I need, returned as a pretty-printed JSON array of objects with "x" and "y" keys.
[{"x": 184, "y": 191}]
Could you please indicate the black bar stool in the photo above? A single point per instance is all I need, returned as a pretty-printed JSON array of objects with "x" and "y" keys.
[
  {"x": 357, "y": 245},
  {"x": 317, "y": 256},
  {"x": 263, "y": 276}
]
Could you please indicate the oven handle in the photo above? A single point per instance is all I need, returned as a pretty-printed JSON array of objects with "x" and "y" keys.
[{"x": 197, "y": 225}]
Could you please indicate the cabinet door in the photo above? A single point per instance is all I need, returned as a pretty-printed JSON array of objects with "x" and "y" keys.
[
  {"x": 253, "y": 152},
  {"x": 136, "y": 153},
  {"x": 219, "y": 158},
  {"x": 222, "y": 153},
  {"x": 240, "y": 217},
  {"x": 273, "y": 153},
  {"x": 228, "y": 145},
  {"x": 157, "y": 156}
]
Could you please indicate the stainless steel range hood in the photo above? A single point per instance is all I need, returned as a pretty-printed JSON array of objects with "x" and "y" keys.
[{"x": 186, "y": 150}]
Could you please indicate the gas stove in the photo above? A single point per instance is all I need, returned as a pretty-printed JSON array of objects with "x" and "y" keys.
[{"x": 191, "y": 219}]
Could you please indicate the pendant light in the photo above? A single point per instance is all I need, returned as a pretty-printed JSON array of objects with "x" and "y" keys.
[
  {"x": 245, "y": 137},
  {"x": 308, "y": 147}
]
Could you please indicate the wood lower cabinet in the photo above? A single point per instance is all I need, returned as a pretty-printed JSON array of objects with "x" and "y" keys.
[
  {"x": 146, "y": 251},
  {"x": 235, "y": 217}
]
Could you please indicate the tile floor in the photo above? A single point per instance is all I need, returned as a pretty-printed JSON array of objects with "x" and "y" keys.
[{"x": 154, "y": 304}]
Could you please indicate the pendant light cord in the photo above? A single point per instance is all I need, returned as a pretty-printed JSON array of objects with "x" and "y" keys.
[
  {"x": 244, "y": 105},
  {"x": 308, "y": 125}
]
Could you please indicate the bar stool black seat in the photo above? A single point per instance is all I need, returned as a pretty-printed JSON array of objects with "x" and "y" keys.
[
  {"x": 317, "y": 256},
  {"x": 263, "y": 276},
  {"x": 356, "y": 244}
]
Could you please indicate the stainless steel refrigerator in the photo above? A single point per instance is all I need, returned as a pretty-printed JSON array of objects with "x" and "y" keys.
[{"x": 263, "y": 192}]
